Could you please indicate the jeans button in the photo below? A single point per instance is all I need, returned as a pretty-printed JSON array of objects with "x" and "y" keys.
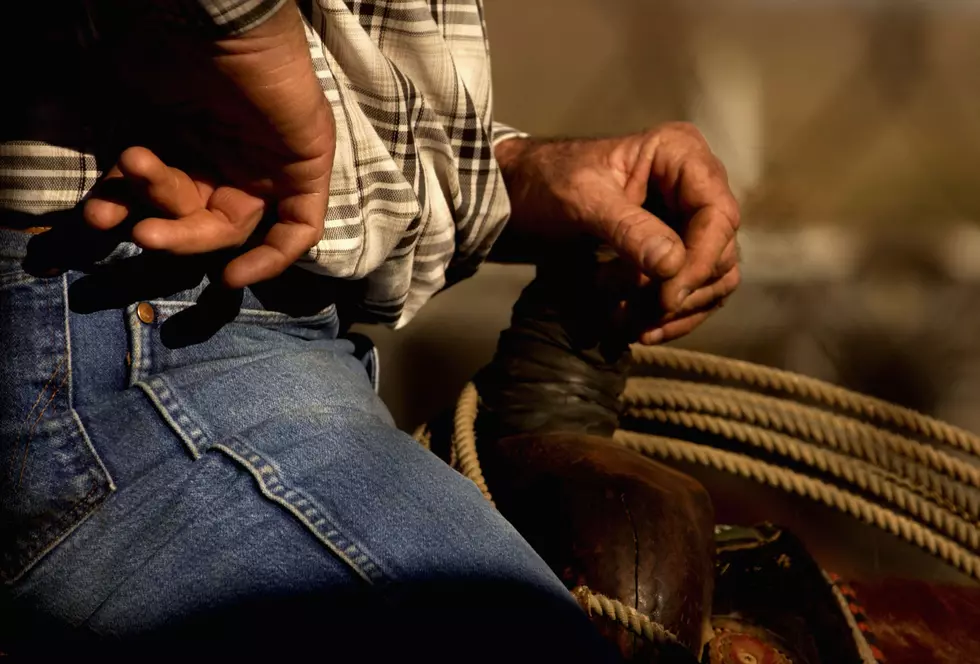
[{"x": 144, "y": 311}]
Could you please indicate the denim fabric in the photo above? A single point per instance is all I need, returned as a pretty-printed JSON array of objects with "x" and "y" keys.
[{"x": 246, "y": 495}]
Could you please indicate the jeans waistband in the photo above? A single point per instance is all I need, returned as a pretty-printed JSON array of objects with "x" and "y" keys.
[{"x": 125, "y": 293}]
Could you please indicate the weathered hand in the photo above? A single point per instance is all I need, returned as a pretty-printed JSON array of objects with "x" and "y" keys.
[
  {"x": 192, "y": 216},
  {"x": 245, "y": 115},
  {"x": 599, "y": 187}
]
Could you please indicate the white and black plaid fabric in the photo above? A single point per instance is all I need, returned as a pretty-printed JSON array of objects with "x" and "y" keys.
[
  {"x": 236, "y": 16},
  {"x": 417, "y": 198}
]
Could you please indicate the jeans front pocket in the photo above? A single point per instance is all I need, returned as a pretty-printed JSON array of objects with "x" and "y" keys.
[{"x": 51, "y": 477}]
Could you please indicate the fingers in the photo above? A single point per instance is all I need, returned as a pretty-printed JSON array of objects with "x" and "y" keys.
[
  {"x": 729, "y": 259},
  {"x": 646, "y": 241},
  {"x": 676, "y": 329},
  {"x": 302, "y": 217},
  {"x": 284, "y": 245},
  {"x": 714, "y": 292},
  {"x": 109, "y": 202},
  {"x": 141, "y": 179},
  {"x": 695, "y": 310},
  {"x": 679, "y": 326},
  {"x": 227, "y": 222},
  {"x": 710, "y": 243},
  {"x": 689, "y": 175},
  {"x": 712, "y": 259},
  {"x": 197, "y": 219},
  {"x": 694, "y": 183},
  {"x": 168, "y": 189}
]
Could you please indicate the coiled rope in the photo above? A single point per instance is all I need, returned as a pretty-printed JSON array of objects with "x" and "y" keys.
[
  {"x": 865, "y": 476},
  {"x": 793, "y": 482},
  {"x": 920, "y": 493},
  {"x": 845, "y": 434},
  {"x": 464, "y": 439},
  {"x": 874, "y": 411}
]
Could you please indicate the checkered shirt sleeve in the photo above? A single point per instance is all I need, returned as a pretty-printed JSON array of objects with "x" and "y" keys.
[
  {"x": 417, "y": 198},
  {"x": 233, "y": 17}
]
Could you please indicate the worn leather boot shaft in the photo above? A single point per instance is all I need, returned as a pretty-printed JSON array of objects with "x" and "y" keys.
[
  {"x": 561, "y": 365},
  {"x": 615, "y": 522},
  {"x": 602, "y": 516}
]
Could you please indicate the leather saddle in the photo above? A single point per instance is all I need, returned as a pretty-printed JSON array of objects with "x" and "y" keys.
[{"x": 641, "y": 535}]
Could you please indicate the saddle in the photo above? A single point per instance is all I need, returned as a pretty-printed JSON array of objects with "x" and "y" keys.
[{"x": 658, "y": 491}]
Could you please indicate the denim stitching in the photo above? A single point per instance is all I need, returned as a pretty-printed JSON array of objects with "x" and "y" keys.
[
  {"x": 44, "y": 542},
  {"x": 33, "y": 429},
  {"x": 88, "y": 443},
  {"x": 273, "y": 487},
  {"x": 193, "y": 437},
  {"x": 72, "y": 519},
  {"x": 168, "y": 308},
  {"x": 30, "y": 414},
  {"x": 140, "y": 354},
  {"x": 264, "y": 471},
  {"x": 135, "y": 346},
  {"x": 375, "y": 369},
  {"x": 67, "y": 314},
  {"x": 54, "y": 374}
]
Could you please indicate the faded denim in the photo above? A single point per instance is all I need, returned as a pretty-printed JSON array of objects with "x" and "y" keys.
[{"x": 244, "y": 496}]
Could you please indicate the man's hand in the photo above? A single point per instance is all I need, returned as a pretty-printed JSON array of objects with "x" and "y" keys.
[
  {"x": 245, "y": 115},
  {"x": 686, "y": 263},
  {"x": 193, "y": 217}
]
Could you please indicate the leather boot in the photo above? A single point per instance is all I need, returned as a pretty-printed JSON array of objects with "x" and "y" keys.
[{"x": 603, "y": 517}]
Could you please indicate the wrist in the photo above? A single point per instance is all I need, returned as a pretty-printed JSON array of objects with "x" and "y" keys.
[
  {"x": 509, "y": 153},
  {"x": 523, "y": 239},
  {"x": 536, "y": 174}
]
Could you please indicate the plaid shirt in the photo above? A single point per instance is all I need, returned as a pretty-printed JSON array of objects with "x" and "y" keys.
[{"x": 416, "y": 197}]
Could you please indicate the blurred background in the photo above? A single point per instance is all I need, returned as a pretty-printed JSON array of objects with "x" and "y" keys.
[{"x": 851, "y": 130}]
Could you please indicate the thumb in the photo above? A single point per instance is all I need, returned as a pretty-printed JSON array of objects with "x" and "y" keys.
[{"x": 643, "y": 239}]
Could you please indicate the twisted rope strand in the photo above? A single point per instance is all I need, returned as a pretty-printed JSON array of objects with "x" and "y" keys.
[
  {"x": 858, "y": 473},
  {"x": 865, "y": 510},
  {"x": 627, "y": 616},
  {"x": 423, "y": 436},
  {"x": 964, "y": 500},
  {"x": 842, "y": 433},
  {"x": 464, "y": 439},
  {"x": 944, "y": 493},
  {"x": 758, "y": 376}
]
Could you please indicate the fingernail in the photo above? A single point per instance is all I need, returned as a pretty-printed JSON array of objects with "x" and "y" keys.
[
  {"x": 682, "y": 296},
  {"x": 653, "y": 337}
]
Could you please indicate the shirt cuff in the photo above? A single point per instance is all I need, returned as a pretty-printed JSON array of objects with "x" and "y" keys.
[
  {"x": 233, "y": 17},
  {"x": 502, "y": 132}
]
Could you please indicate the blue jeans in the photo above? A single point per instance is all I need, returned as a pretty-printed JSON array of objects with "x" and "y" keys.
[{"x": 245, "y": 495}]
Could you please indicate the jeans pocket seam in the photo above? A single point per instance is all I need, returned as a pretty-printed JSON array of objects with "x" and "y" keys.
[
  {"x": 52, "y": 535},
  {"x": 311, "y": 515},
  {"x": 167, "y": 308},
  {"x": 177, "y": 415},
  {"x": 183, "y": 421}
]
